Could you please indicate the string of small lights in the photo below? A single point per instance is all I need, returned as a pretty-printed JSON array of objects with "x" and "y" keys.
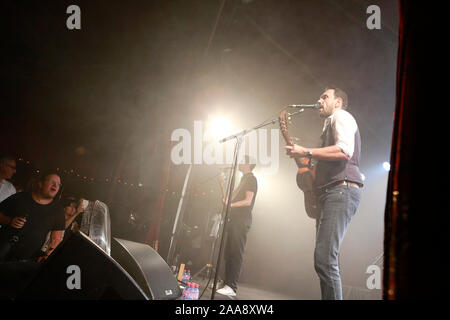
[
  {"x": 108, "y": 180},
  {"x": 85, "y": 178}
]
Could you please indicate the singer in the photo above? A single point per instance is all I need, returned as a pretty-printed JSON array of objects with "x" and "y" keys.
[{"x": 337, "y": 185}]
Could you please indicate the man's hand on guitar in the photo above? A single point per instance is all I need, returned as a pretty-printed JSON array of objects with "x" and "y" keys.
[
  {"x": 296, "y": 151},
  {"x": 225, "y": 202}
]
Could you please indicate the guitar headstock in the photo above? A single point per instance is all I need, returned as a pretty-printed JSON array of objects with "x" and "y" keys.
[{"x": 283, "y": 121}]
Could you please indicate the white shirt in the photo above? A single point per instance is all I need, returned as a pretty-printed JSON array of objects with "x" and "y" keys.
[
  {"x": 6, "y": 189},
  {"x": 344, "y": 129}
]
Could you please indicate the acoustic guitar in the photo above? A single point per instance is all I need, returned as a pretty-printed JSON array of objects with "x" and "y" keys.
[{"x": 305, "y": 173}]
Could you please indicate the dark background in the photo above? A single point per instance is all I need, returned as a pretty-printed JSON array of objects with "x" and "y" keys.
[{"x": 102, "y": 102}]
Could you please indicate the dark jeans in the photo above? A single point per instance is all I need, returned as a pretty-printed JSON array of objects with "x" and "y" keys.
[
  {"x": 338, "y": 206},
  {"x": 234, "y": 251}
]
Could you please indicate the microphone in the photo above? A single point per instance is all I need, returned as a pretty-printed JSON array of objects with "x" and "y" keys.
[{"x": 311, "y": 106}]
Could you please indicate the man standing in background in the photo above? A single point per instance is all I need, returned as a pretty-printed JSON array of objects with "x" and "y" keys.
[
  {"x": 7, "y": 170},
  {"x": 240, "y": 221}
]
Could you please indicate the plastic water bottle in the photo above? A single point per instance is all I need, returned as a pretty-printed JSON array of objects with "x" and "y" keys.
[
  {"x": 188, "y": 275},
  {"x": 190, "y": 292},
  {"x": 185, "y": 293},
  {"x": 196, "y": 292}
]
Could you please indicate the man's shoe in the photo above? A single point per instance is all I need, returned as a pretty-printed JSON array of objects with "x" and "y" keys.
[
  {"x": 226, "y": 291},
  {"x": 219, "y": 285}
]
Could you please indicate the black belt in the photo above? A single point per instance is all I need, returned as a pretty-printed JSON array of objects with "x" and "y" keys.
[{"x": 340, "y": 183}]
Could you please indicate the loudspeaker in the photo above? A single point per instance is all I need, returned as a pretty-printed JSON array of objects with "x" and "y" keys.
[
  {"x": 147, "y": 268},
  {"x": 79, "y": 269}
]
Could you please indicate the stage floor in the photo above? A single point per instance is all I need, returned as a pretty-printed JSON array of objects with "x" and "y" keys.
[
  {"x": 245, "y": 292},
  {"x": 251, "y": 292}
]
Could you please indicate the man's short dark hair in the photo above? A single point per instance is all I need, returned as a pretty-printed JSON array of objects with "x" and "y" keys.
[
  {"x": 45, "y": 174},
  {"x": 33, "y": 182},
  {"x": 339, "y": 93}
]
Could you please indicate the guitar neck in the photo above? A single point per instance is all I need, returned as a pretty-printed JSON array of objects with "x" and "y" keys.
[
  {"x": 222, "y": 186},
  {"x": 301, "y": 162},
  {"x": 223, "y": 190}
]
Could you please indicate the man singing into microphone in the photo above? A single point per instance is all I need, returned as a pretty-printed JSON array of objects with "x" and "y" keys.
[{"x": 337, "y": 183}]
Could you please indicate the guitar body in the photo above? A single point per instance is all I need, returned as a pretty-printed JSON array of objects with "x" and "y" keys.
[
  {"x": 305, "y": 174},
  {"x": 305, "y": 182}
]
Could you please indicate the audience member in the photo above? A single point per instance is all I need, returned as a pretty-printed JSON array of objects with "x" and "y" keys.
[
  {"x": 27, "y": 217},
  {"x": 7, "y": 170},
  {"x": 72, "y": 209}
]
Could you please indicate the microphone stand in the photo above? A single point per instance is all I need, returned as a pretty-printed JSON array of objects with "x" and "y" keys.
[
  {"x": 239, "y": 137},
  {"x": 178, "y": 217}
]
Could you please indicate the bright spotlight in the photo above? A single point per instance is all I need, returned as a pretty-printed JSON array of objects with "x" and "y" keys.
[
  {"x": 217, "y": 128},
  {"x": 363, "y": 177},
  {"x": 386, "y": 166}
]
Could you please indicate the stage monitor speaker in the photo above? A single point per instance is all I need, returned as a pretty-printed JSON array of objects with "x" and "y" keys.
[
  {"x": 147, "y": 268},
  {"x": 79, "y": 269}
]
